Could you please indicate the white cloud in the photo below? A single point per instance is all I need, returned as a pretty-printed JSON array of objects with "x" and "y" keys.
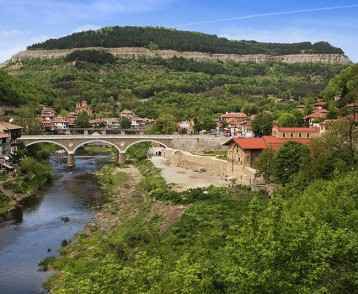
[{"x": 13, "y": 41}]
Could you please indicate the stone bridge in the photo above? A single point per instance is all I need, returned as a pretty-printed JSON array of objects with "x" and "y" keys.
[{"x": 71, "y": 143}]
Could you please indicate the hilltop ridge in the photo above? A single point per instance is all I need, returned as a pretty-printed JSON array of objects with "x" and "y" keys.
[{"x": 170, "y": 39}]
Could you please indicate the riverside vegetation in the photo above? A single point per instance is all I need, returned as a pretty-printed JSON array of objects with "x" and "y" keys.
[
  {"x": 33, "y": 173},
  {"x": 227, "y": 240}
]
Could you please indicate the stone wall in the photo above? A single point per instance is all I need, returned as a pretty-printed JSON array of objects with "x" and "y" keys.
[
  {"x": 136, "y": 52},
  {"x": 216, "y": 167},
  {"x": 199, "y": 144}
]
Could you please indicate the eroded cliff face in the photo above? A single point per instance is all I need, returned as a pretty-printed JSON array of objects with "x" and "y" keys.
[{"x": 136, "y": 52}]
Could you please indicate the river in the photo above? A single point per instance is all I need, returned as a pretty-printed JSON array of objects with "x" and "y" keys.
[{"x": 23, "y": 245}]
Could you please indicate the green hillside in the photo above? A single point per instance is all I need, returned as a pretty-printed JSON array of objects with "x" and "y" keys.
[
  {"x": 182, "y": 88},
  {"x": 16, "y": 92},
  {"x": 163, "y": 38}
]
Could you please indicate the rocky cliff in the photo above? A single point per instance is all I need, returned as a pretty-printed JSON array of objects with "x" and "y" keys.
[{"x": 137, "y": 52}]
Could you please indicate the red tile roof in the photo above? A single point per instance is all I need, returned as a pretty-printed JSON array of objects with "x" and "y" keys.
[
  {"x": 265, "y": 142},
  {"x": 250, "y": 143}
]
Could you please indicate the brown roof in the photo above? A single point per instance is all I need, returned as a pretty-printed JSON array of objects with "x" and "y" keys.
[
  {"x": 5, "y": 126},
  {"x": 3, "y": 136}
]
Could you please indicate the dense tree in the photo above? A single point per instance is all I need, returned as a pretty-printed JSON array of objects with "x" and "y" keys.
[
  {"x": 265, "y": 164},
  {"x": 82, "y": 120},
  {"x": 344, "y": 85},
  {"x": 289, "y": 160},
  {"x": 165, "y": 124},
  {"x": 262, "y": 124},
  {"x": 92, "y": 56},
  {"x": 162, "y": 38},
  {"x": 125, "y": 123}
]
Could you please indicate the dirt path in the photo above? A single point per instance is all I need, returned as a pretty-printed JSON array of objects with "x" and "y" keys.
[{"x": 184, "y": 179}]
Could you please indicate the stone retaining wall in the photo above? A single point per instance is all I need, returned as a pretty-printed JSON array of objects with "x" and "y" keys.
[{"x": 137, "y": 52}]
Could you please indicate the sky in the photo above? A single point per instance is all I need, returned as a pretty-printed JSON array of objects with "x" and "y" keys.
[{"x": 24, "y": 22}]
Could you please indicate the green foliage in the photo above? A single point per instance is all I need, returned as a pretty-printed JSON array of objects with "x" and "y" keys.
[
  {"x": 16, "y": 92},
  {"x": 138, "y": 152},
  {"x": 82, "y": 120},
  {"x": 344, "y": 85},
  {"x": 227, "y": 242},
  {"x": 162, "y": 38},
  {"x": 289, "y": 160},
  {"x": 165, "y": 124},
  {"x": 33, "y": 175},
  {"x": 262, "y": 124},
  {"x": 185, "y": 89},
  {"x": 125, "y": 123},
  {"x": 290, "y": 119},
  {"x": 91, "y": 56},
  {"x": 264, "y": 164}
]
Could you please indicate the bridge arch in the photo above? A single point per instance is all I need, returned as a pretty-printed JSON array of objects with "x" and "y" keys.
[
  {"x": 144, "y": 141},
  {"x": 49, "y": 142},
  {"x": 94, "y": 141}
]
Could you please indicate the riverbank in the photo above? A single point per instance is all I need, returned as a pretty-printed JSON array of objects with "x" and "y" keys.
[
  {"x": 129, "y": 238},
  {"x": 60, "y": 211},
  {"x": 21, "y": 188}
]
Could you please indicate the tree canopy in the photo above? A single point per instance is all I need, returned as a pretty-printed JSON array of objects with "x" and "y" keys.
[{"x": 163, "y": 38}]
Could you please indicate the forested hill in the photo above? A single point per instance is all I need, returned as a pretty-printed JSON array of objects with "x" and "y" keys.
[{"x": 162, "y": 38}]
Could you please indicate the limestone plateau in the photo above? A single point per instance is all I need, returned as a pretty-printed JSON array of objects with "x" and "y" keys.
[{"x": 140, "y": 52}]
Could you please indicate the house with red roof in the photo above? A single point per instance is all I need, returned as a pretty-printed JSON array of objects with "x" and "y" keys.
[
  {"x": 297, "y": 133},
  {"x": 245, "y": 151},
  {"x": 319, "y": 114},
  {"x": 235, "y": 124}
]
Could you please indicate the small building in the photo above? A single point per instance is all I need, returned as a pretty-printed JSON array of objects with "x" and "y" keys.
[
  {"x": 235, "y": 124},
  {"x": 297, "y": 133},
  {"x": 245, "y": 151},
  {"x": 5, "y": 146},
  {"x": 319, "y": 114},
  {"x": 46, "y": 117},
  {"x": 61, "y": 123},
  {"x": 83, "y": 106},
  {"x": 127, "y": 114},
  {"x": 13, "y": 132},
  {"x": 185, "y": 127}
]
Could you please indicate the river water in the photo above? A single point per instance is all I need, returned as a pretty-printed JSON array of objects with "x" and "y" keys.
[{"x": 42, "y": 230}]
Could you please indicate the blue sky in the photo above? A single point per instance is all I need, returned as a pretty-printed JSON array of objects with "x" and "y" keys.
[{"x": 23, "y": 22}]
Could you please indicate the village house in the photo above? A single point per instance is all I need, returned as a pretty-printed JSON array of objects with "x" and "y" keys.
[
  {"x": 9, "y": 133},
  {"x": 110, "y": 123},
  {"x": 83, "y": 106},
  {"x": 297, "y": 133},
  {"x": 319, "y": 114},
  {"x": 46, "y": 118},
  {"x": 136, "y": 121},
  {"x": 245, "y": 151},
  {"x": 186, "y": 127},
  {"x": 235, "y": 124},
  {"x": 61, "y": 123}
]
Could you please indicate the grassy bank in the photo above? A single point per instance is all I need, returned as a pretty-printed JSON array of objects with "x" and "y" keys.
[
  {"x": 215, "y": 240},
  {"x": 33, "y": 173}
]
